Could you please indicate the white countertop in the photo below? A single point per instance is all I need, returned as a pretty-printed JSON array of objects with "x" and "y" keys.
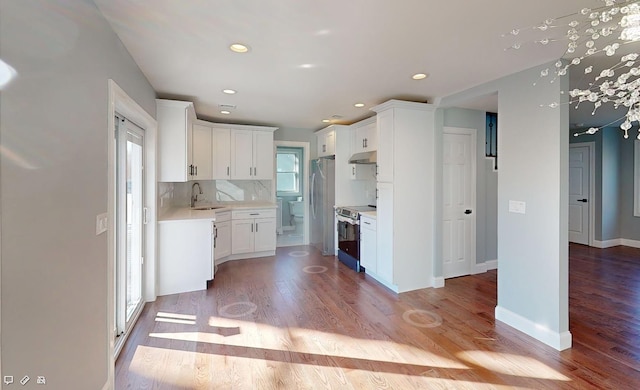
[
  {"x": 186, "y": 213},
  {"x": 370, "y": 214}
]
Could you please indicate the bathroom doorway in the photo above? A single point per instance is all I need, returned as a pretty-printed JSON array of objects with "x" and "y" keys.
[{"x": 291, "y": 193}]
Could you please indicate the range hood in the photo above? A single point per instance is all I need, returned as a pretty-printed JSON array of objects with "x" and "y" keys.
[{"x": 364, "y": 158}]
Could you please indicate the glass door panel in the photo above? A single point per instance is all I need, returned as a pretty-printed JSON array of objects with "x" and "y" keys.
[{"x": 129, "y": 223}]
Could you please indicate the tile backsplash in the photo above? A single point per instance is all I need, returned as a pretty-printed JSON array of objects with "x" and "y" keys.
[{"x": 214, "y": 191}]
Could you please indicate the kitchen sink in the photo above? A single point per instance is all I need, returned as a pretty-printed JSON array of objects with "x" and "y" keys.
[{"x": 204, "y": 208}]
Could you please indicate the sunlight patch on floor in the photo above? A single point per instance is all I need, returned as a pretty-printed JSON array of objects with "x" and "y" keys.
[
  {"x": 188, "y": 369},
  {"x": 300, "y": 340},
  {"x": 511, "y": 364}
]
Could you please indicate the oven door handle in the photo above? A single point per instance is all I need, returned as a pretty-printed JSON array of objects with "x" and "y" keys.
[{"x": 347, "y": 220}]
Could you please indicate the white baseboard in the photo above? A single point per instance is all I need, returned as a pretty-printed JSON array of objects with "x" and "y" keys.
[
  {"x": 484, "y": 267},
  {"x": 607, "y": 243},
  {"x": 631, "y": 243},
  {"x": 437, "y": 281},
  {"x": 616, "y": 242},
  {"x": 559, "y": 341}
]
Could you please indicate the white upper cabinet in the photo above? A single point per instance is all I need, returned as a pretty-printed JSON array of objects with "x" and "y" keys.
[
  {"x": 365, "y": 138},
  {"x": 192, "y": 149},
  {"x": 201, "y": 156},
  {"x": 252, "y": 155},
  {"x": 385, "y": 130},
  {"x": 175, "y": 130},
  {"x": 221, "y": 154},
  {"x": 326, "y": 141}
]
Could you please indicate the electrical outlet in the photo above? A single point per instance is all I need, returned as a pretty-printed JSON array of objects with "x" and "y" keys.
[{"x": 102, "y": 223}]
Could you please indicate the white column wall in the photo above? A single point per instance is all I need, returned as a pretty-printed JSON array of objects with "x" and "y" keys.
[{"x": 532, "y": 247}]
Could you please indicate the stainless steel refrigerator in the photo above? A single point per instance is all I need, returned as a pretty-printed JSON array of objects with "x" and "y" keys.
[{"x": 322, "y": 198}]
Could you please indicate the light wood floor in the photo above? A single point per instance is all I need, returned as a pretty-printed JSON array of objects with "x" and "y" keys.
[{"x": 268, "y": 324}]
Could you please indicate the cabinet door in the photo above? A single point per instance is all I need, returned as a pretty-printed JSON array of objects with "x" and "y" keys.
[
  {"x": 202, "y": 144},
  {"x": 265, "y": 234},
  {"x": 242, "y": 236},
  {"x": 241, "y": 154},
  {"x": 371, "y": 137},
  {"x": 357, "y": 143},
  {"x": 368, "y": 249},
  {"x": 384, "y": 232},
  {"x": 385, "y": 128},
  {"x": 326, "y": 143},
  {"x": 184, "y": 256},
  {"x": 263, "y": 155},
  {"x": 330, "y": 141},
  {"x": 221, "y": 154},
  {"x": 223, "y": 239},
  {"x": 175, "y": 121}
]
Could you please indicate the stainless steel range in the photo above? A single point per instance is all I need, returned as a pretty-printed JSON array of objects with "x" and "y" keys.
[{"x": 349, "y": 234}]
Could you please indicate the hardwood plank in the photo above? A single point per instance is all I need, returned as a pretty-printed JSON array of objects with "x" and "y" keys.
[{"x": 342, "y": 330}]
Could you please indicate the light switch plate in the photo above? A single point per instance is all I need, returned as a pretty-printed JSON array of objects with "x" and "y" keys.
[
  {"x": 102, "y": 223},
  {"x": 517, "y": 206}
]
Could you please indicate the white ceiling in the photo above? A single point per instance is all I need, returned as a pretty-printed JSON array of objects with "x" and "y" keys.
[{"x": 311, "y": 60}]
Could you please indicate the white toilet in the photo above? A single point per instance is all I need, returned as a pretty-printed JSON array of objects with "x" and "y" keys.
[{"x": 296, "y": 210}]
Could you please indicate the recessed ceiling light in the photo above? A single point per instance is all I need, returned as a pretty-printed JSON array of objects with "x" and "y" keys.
[
  {"x": 225, "y": 112},
  {"x": 229, "y": 91},
  {"x": 239, "y": 48},
  {"x": 419, "y": 76},
  {"x": 359, "y": 105},
  {"x": 326, "y": 121}
]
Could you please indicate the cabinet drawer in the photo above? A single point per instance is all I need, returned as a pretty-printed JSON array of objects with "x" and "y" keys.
[
  {"x": 252, "y": 214},
  {"x": 223, "y": 216},
  {"x": 367, "y": 223}
]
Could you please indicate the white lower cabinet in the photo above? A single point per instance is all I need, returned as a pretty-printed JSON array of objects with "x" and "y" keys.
[
  {"x": 185, "y": 255},
  {"x": 222, "y": 237},
  {"x": 253, "y": 231},
  {"x": 384, "y": 233},
  {"x": 368, "y": 244}
]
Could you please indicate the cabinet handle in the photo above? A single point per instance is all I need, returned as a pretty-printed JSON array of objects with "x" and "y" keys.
[
  {"x": 256, "y": 227},
  {"x": 227, "y": 171},
  {"x": 249, "y": 171},
  {"x": 363, "y": 142},
  {"x": 367, "y": 223},
  {"x": 196, "y": 168},
  {"x": 376, "y": 193},
  {"x": 190, "y": 167},
  {"x": 353, "y": 171},
  {"x": 251, "y": 228},
  {"x": 255, "y": 171},
  {"x": 254, "y": 214},
  {"x": 377, "y": 166},
  {"x": 324, "y": 148}
]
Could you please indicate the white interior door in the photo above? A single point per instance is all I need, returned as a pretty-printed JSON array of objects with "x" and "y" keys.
[
  {"x": 579, "y": 175},
  {"x": 459, "y": 201}
]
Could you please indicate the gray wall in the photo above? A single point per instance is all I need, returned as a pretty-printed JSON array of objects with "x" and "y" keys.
[
  {"x": 613, "y": 185},
  {"x": 629, "y": 225},
  {"x": 292, "y": 134},
  {"x": 53, "y": 172},
  {"x": 486, "y": 183}
]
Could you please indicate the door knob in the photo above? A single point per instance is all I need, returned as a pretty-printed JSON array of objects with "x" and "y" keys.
[
  {"x": 467, "y": 211},
  {"x": 582, "y": 200}
]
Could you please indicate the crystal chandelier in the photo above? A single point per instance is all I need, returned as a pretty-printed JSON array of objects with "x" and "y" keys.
[{"x": 612, "y": 28}]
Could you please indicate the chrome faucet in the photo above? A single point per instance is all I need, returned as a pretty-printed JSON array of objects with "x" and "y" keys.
[{"x": 194, "y": 195}]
